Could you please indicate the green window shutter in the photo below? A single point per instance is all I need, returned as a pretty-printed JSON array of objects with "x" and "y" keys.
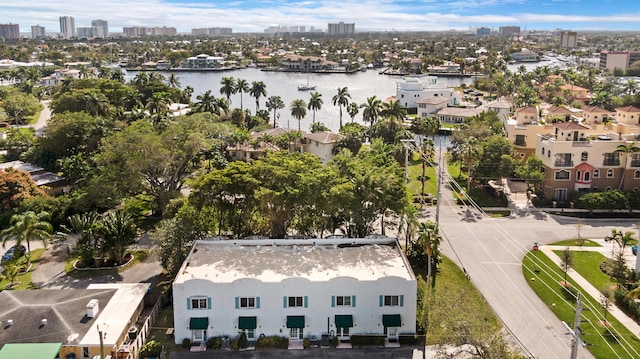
[
  {"x": 353, "y": 301},
  {"x": 284, "y": 302},
  {"x": 402, "y": 300},
  {"x": 208, "y": 302},
  {"x": 306, "y": 301},
  {"x": 333, "y": 301},
  {"x": 188, "y": 303},
  {"x": 237, "y": 302},
  {"x": 257, "y": 303},
  {"x": 381, "y": 300}
]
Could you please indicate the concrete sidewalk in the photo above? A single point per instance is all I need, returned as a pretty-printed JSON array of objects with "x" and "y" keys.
[{"x": 589, "y": 288}]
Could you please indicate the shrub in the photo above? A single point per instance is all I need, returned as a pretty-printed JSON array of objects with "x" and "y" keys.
[
  {"x": 306, "y": 343},
  {"x": 242, "y": 341},
  {"x": 364, "y": 340},
  {"x": 151, "y": 348},
  {"x": 273, "y": 341},
  {"x": 335, "y": 341},
  {"x": 186, "y": 343},
  {"x": 214, "y": 343}
]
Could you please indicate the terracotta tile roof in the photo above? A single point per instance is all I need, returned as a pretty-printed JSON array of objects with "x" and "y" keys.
[
  {"x": 558, "y": 110},
  {"x": 323, "y": 137},
  {"x": 628, "y": 109},
  {"x": 594, "y": 109},
  {"x": 529, "y": 109},
  {"x": 571, "y": 125}
]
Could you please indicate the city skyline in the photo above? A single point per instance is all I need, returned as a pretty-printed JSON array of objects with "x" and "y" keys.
[{"x": 384, "y": 15}]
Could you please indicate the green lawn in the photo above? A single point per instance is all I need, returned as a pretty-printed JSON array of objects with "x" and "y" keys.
[
  {"x": 452, "y": 278},
  {"x": 25, "y": 279},
  {"x": 415, "y": 172},
  {"x": 576, "y": 242},
  {"x": 587, "y": 264},
  {"x": 547, "y": 285}
]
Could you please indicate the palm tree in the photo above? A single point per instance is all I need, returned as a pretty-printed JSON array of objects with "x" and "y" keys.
[
  {"x": 228, "y": 87},
  {"x": 429, "y": 237},
  {"x": 371, "y": 111},
  {"x": 96, "y": 104},
  {"x": 341, "y": 99},
  {"x": 205, "y": 103},
  {"x": 258, "y": 88},
  {"x": 352, "y": 110},
  {"x": 622, "y": 239},
  {"x": 117, "y": 75},
  {"x": 27, "y": 227},
  {"x": 275, "y": 103},
  {"x": 394, "y": 110},
  {"x": 173, "y": 80},
  {"x": 242, "y": 86},
  {"x": 315, "y": 103},
  {"x": 298, "y": 110},
  {"x": 220, "y": 106},
  {"x": 626, "y": 150},
  {"x": 119, "y": 232},
  {"x": 470, "y": 153},
  {"x": 158, "y": 103}
]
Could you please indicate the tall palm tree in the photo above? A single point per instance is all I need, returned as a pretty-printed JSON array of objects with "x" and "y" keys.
[
  {"x": 96, "y": 104},
  {"x": 315, "y": 103},
  {"x": 158, "y": 103},
  {"x": 371, "y": 111},
  {"x": 242, "y": 86},
  {"x": 275, "y": 103},
  {"x": 228, "y": 87},
  {"x": 173, "y": 81},
  {"x": 394, "y": 109},
  {"x": 470, "y": 153},
  {"x": 27, "y": 227},
  {"x": 117, "y": 75},
  {"x": 298, "y": 110},
  {"x": 626, "y": 150},
  {"x": 258, "y": 88},
  {"x": 352, "y": 110},
  {"x": 341, "y": 99},
  {"x": 429, "y": 237},
  {"x": 205, "y": 102}
]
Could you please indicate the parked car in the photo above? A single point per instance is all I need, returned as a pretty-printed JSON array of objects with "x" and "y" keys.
[
  {"x": 10, "y": 253},
  {"x": 5, "y": 124}
]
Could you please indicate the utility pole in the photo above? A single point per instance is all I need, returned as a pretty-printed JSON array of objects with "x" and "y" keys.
[
  {"x": 576, "y": 331},
  {"x": 439, "y": 180},
  {"x": 102, "y": 336}
]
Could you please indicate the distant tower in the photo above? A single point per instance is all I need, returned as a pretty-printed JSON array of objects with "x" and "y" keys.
[
  {"x": 37, "y": 31},
  {"x": 67, "y": 27},
  {"x": 101, "y": 28}
]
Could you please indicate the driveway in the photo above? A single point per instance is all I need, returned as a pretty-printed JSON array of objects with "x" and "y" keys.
[{"x": 49, "y": 273}]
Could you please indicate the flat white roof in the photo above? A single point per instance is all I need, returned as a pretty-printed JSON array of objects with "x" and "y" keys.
[
  {"x": 272, "y": 261},
  {"x": 114, "y": 317}
]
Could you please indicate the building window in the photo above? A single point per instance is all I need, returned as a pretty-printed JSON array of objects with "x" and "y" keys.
[
  {"x": 543, "y": 150},
  {"x": 587, "y": 176},
  {"x": 609, "y": 173},
  {"x": 611, "y": 159},
  {"x": 343, "y": 301},
  {"x": 579, "y": 175},
  {"x": 596, "y": 173},
  {"x": 584, "y": 156},
  {"x": 288, "y": 302},
  {"x": 636, "y": 174},
  {"x": 199, "y": 303},
  {"x": 247, "y": 302},
  {"x": 391, "y": 300},
  {"x": 520, "y": 140},
  {"x": 85, "y": 352},
  {"x": 562, "y": 175}
]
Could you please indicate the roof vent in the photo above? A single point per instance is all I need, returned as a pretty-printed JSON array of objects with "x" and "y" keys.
[
  {"x": 92, "y": 308},
  {"x": 44, "y": 321},
  {"x": 9, "y": 322}
]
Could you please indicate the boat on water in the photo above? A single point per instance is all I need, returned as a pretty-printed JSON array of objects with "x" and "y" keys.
[{"x": 306, "y": 87}]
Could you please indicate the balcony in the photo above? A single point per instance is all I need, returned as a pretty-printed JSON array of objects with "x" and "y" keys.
[
  {"x": 581, "y": 144},
  {"x": 611, "y": 163},
  {"x": 563, "y": 164},
  {"x": 635, "y": 163}
]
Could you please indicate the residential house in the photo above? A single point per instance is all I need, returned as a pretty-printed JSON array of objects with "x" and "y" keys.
[
  {"x": 522, "y": 128},
  {"x": 558, "y": 114},
  {"x": 430, "y": 105},
  {"x": 501, "y": 107},
  {"x": 75, "y": 318},
  {"x": 525, "y": 56},
  {"x": 292, "y": 62},
  {"x": 321, "y": 144},
  {"x": 628, "y": 115},
  {"x": 204, "y": 61},
  {"x": 412, "y": 90},
  {"x": 57, "y": 76},
  {"x": 49, "y": 181},
  {"x": 576, "y": 93},
  {"x": 295, "y": 289},
  {"x": 593, "y": 115},
  {"x": 458, "y": 114}
]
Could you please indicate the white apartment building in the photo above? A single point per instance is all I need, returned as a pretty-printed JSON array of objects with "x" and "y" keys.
[
  {"x": 37, "y": 31},
  {"x": 295, "y": 289},
  {"x": 569, "y": 39},
  {"x": 412, "y": 90},
  {"x": 204, "y": 61},
  {"x": 341, "y": 28},
  {"x": 67, "y": 27}
]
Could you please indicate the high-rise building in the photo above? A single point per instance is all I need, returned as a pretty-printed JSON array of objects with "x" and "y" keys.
[
  {"x": 483, "y": 31},
  {"x": 136, "y": 31},
  {"x": 568, "y": 39},
  {"x": 67, "y": 27},
  {"x": 341, "y": 29},
  {"x": 9, "y": 31},
  {"x": 101, "y": 28},
  {"x": 212, "y": 31},
  {"x": 509, "y": 30},
  {"x": 612, "y": 60},
  {"x": 37, "y": 31}
]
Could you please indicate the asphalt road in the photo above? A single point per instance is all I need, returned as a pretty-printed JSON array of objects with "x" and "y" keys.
[{"x": 491, "y": 252}]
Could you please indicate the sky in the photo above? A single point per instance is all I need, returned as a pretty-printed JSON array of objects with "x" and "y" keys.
[{"x": 368, "y": 15}]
